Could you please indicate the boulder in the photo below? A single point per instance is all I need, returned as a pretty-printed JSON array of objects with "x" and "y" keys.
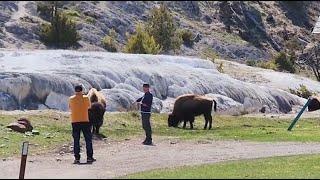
[
  {"x": 57, "y": 101},
  {"x": 17, "y": 127},
  {"x": 22, "y": 125}
]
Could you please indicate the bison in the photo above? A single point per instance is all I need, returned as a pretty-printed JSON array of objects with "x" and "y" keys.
[
  {"x": 97, "y": 109},
  {"x": 186, "y": 107}
]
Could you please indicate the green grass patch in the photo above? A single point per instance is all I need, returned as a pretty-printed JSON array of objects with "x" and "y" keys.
[
  {"x": 72, "y": 14},
  {"x": 55, "y": 130},
  {"x": 297, "y": 167}
]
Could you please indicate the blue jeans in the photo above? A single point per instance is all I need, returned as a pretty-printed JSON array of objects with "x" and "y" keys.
[{"x": 85, "y": 127}]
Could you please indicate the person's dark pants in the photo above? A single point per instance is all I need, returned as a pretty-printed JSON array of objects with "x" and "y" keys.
[
  {"x": 86, "y": 130},
  {"x": 146, "y": 126}
]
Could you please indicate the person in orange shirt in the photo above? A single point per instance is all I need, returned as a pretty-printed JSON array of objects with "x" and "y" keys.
[{"x": 79, "y": 105}]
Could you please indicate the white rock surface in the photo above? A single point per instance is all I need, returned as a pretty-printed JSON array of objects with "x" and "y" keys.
[{"x": 48, "y": 76}]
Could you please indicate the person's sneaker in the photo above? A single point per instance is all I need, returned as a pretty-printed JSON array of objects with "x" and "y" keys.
[
  {"x": 91, "y": 160},
  {"x": 76, "y": 161},
  {"x": 144, "y": 141}
]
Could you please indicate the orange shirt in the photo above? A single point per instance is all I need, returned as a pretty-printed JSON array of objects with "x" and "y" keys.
[{"x": 79, "y": 105}]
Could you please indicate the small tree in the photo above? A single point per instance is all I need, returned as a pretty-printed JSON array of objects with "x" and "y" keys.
[
  {"x": 311, "y": 58},
  {"x": 61, "y": 32},
  {"x": 186, "y": 36},
  {"x": 285, "y": 62},
  {"x": 161, "y": 26},
  {"x": 302, "y": 91},
  {"x": 48, "y": 9},
  {"x": 142, "y": 43},
  {"x": 109, "y": 41}
]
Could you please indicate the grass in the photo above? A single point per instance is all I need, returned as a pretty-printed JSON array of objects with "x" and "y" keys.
[
  {"x": 55, "y": 130},
  {"x": 297, "y": 167}
]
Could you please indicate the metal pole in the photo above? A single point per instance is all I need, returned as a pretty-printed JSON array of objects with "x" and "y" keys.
[
  {"x": 24, "y": 155},
  {"x": 298, "y": 116}
]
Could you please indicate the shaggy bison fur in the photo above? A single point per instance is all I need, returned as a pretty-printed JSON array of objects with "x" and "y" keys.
[
  {"x": 97, "y": 109},
  {"x": 186, "y": 107}
]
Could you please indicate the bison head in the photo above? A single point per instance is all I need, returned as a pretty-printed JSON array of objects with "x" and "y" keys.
[{"x": 172, "y": 121}]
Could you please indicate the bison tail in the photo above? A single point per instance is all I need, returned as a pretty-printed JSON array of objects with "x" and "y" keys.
[{"x": 214, "y": 105}]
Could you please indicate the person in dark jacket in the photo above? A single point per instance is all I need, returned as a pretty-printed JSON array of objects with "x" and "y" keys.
[{"x": 145, "y": 109}]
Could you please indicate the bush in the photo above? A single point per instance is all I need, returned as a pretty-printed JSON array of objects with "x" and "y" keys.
[
  {"x": 220, "y": 68},
  {"x": 186, "y": 36},
  {"x": 72, "y": 14},
  {"x": 142, "y": 43},
  {"x": 302, "y": 92},
  {"x": 210, "y": 54},
  {"x": 268, "y": 65},
  {"x": 251, "y": 63},
  {"x": 285, "y": 62},
  {"x": 61, "y": 32},
  {"x": 160, "y": 25},
  {"x": 109, "y": 41}
]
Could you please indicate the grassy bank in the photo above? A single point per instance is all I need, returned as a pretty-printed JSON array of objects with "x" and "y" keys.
[
  {"x": 297, "y": 167},
  {"x": 55, "y": 130}
]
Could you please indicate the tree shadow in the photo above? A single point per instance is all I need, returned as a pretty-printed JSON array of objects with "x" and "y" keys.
[{"x": 297, "y": 12}]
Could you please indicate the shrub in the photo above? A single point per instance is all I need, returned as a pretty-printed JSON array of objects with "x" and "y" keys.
[
  {"x": 61, "y": 32},
  {"x": 109, "y": 41},
  {"x": 90, "y": 20},
  {"x": 142, "y": 43},
  {"x": 251, "y": 63},
  {"x": 186, "y": 36},
  {"x": 285, "y": 62},
  {"x": 220, "y": 67},
  {"x": 268, "y": 65},
  {"x": 302, "y": 91},
  {"x": 72, "y": 14},
  {"x": 161, "y": 26},
  {"x": 210, "y": 54}
]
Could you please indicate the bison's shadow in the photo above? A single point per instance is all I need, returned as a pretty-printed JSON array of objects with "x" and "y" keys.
[{"x": 98, "y": 137}]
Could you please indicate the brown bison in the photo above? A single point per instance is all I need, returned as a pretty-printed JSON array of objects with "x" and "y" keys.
[
  {"x": 97, "y": 109},
  {"x": 186, "y": 107}
]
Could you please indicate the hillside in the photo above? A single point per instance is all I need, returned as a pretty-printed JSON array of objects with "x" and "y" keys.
[{"x": 235, "y": 30}]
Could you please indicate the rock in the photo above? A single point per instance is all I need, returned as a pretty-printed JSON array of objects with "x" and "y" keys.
[
  {"x": 49, "y": 76},
  {"x": 270, "y": 19},
  {"x": 207, "y": 19},
  {"x": 57, "y": 101},
  {"x": 58, "y": 159},
  {"x": 35, "y": 132},
  {"x": 7, "y": 102},
  {"x": 26, "y": 123},
  {"x": 17, "y": 127},
  {"x": 2, "y": 145}
]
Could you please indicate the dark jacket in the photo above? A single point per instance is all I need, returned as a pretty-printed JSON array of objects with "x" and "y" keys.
[{"x": 147, "y": 100}]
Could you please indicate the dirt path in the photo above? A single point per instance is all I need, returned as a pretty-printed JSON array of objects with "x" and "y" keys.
[{"x": 121, "y": 158}]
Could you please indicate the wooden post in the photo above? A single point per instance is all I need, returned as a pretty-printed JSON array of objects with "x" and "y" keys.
[
  {"x": 24, "y": 154},
  {"x": 298, "y": 116}
]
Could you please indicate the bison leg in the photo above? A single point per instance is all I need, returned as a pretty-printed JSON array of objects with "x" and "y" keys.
[
  {"x": 208, "y": 117},
  {"x": 191, "y": 125},
  {"x": 191, "y": 122},
  {"x": 206, "y": 123},
  {"x": 97, "y": 129},
  {"x": 184, "y": 124}
]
